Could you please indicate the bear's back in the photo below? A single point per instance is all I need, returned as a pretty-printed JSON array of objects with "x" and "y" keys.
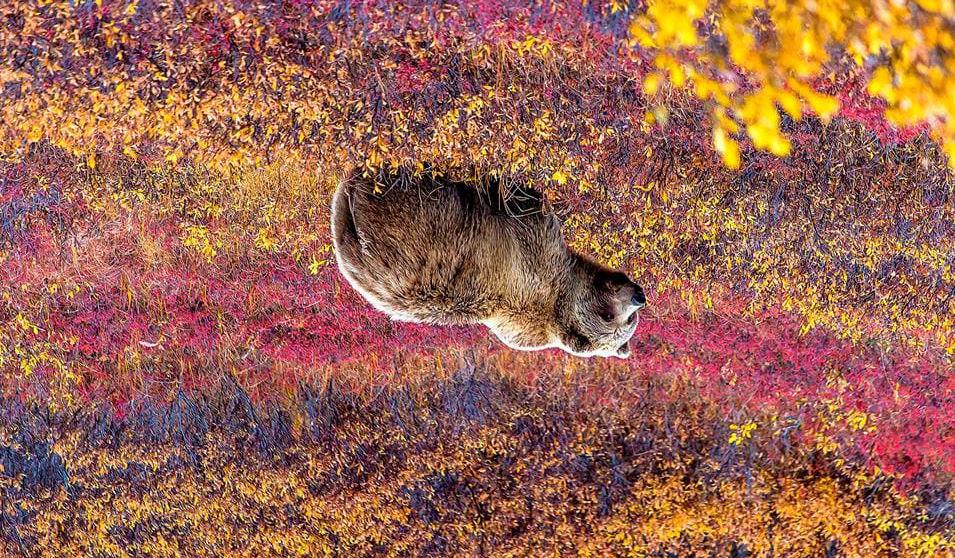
[{"x": 431, "y": 249}]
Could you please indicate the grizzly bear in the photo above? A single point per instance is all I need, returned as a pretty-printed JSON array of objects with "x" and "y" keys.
[{"x": 430, "y": 249}]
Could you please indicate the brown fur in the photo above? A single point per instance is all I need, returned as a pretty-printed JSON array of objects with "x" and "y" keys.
[{"x": 432, "y": 250}]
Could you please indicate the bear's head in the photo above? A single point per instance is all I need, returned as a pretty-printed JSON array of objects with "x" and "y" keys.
[{"x": 595, "y": 313}]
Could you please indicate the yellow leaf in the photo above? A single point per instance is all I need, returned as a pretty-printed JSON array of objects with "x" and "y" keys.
[
  {"x": 651, "y": 84},
  {"x": 881, "y": 84},
  {"x": 727, "y": 147},
  {"x": 779, "y": 145},
  {"x": 824, "y": 105},
  {"x": 790, "y": 104}
]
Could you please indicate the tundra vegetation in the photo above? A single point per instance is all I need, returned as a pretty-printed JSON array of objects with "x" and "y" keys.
[{"x": 183, "y": 372}]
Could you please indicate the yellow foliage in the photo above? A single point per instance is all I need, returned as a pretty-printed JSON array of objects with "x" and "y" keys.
[{"x": 907, "y": 52}]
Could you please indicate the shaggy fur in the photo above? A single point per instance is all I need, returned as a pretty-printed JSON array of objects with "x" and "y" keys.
[{"x": 432, "y": 250}]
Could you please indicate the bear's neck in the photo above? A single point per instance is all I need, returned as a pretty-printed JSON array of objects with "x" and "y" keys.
[{"x": 537, "y": 274}]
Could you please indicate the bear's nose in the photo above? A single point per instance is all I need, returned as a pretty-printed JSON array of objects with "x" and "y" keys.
[{"x": 638, "y": 299}]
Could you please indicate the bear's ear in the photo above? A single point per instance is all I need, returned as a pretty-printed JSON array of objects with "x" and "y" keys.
[
  {"x": 574, "y": 340},
  {"x": 611, "y": 281}
]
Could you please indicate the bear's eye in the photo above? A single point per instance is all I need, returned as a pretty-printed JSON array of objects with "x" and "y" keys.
[{"x": 605, "y": 315}]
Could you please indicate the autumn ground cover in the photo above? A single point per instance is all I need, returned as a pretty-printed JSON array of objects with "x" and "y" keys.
[{"x": 185, "y": 372}]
